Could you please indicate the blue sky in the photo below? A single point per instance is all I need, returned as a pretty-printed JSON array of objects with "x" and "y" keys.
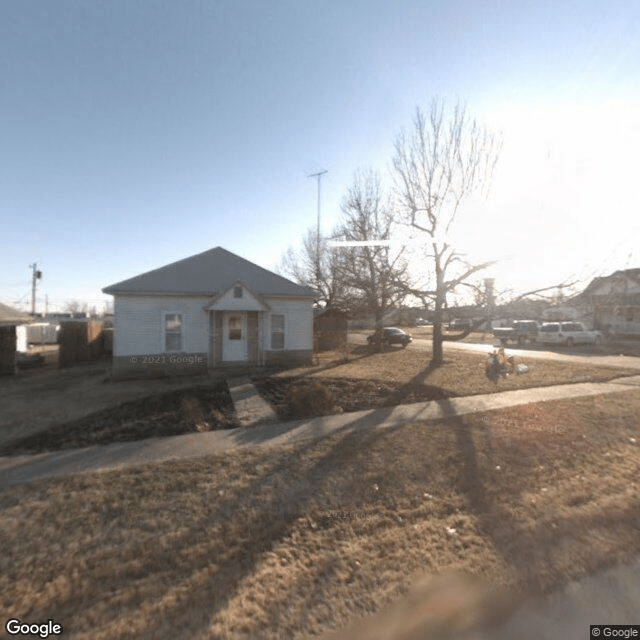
[{"x": 133, "y": 134}]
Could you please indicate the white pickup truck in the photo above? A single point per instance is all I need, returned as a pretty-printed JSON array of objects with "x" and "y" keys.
[{"x": 567, "y": 333}]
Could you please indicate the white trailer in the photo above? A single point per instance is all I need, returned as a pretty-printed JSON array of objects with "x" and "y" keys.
[{"x": 42, "y": 333}]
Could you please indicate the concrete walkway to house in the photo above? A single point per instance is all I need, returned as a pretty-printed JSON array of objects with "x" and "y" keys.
[
  {"x": 251, "y": 408},
  {"x": 25, "y": 468}
]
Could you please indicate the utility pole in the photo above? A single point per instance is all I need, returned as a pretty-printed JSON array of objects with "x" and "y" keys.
[
  {"x": 36, "y": 275},
  {"x": 319, "y": 176}
]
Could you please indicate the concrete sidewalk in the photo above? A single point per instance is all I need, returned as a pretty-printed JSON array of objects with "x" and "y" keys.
[{"x": 25, "y": 468}]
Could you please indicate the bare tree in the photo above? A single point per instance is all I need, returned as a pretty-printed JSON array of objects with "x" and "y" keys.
[
  {"x": 442, "y": 161},
  {"x": 314, "y": 265},
  {"x": 375, "y": 276},
  {"x": 76, "y": 307}
]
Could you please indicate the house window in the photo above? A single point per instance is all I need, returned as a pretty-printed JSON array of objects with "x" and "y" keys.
[
  {"x": 277, "y": 331},
  {"x": 173, "y": 331},
  {"x": 237, "y": 292}
]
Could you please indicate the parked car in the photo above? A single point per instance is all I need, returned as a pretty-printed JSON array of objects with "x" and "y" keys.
[
  {"x": 459, "y": 325},
  {"x": 482, "y": 325},
  {"x": 421, "y": 322},
  {"x": 389, "y": 336},
  {"x": 567, "y": 333},
  {"x": 520, "y": 331}
]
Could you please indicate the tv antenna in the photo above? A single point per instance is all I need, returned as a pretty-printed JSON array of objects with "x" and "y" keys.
[{"x": 319, "y": 176}]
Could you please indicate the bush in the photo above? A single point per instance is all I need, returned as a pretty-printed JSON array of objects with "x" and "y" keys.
[{"x": 310, "y": 398}]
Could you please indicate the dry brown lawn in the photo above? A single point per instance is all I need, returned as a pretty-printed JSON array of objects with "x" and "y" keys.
[
  {"x": 295, "y": 541},
  {"x": 462, "y": 375}
]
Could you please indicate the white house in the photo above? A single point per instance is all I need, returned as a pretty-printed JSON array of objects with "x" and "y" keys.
[
  {"x": 207, "y": 312},
  {"x": 614, "y": 302}
]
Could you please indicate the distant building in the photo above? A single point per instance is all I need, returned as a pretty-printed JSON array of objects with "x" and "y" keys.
[
  {"x": 613, "y": 302},
  {"x": 58, "y": 317}
]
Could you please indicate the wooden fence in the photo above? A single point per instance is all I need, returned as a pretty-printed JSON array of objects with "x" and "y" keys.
[
  {"x": 81, "y": 342},
  {"x": 7, "y": 350}
]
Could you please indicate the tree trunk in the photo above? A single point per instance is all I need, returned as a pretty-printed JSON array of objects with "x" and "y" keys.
[
  {"x": 379, "y": 344},
  {"x": 437, "y": 355}
]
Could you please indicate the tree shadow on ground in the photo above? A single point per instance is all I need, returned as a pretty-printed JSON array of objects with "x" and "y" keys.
[
  {"x": 277, "y": 516},
  {"x": 417, "y": 384},
  {"x": 359, "y": 352},
  {"x": 519, "y": 541},
  {"x": 267, "y": 520}
]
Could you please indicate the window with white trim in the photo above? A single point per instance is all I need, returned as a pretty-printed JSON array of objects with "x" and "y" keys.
[
  {"x": 173, "y": 331},
  {"x": 277, "y": 331}
]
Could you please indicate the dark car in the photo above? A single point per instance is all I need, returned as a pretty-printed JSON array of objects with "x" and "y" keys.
[
  {"x": 389, "y": 336},
  {"x": 459, "y": 325},
  {"x": 520, "y": 331}
]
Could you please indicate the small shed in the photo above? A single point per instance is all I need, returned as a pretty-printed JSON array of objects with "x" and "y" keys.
[
  {"x": 329, "y": 328},
  {"x": 9, "y": 319}
]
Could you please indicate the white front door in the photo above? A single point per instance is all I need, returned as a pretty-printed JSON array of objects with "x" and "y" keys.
[{"x": 234, "y": 339}]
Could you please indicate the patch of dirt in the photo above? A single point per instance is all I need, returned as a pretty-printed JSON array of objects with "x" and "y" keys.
[
  {"x": 187, "y": 410},
  {"x": 348, "y": 394},
  {"x": 36, "y": 400}
]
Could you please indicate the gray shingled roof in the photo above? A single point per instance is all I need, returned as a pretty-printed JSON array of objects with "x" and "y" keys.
[
  {"x": 9, "y": 315},
  {"x": 633, "y": 274},
  {"x": 208, "y": 273}
]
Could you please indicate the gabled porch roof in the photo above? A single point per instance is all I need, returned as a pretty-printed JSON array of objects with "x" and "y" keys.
[{"x": 226, "y": 301}]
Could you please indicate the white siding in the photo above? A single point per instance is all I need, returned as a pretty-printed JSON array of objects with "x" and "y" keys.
[
  {"x": 298, "y": 323},
  {"x": 138, "y": 323},
  {"x": 138, "y": 326}
]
